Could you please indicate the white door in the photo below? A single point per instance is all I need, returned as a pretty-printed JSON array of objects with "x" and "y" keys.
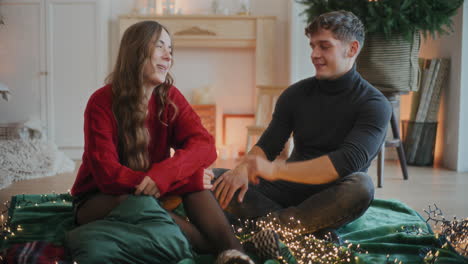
[
  {"x": 22, "y": 60},
  {"x": 76, "y": 65},
  {"x": 53, "y": 55}
]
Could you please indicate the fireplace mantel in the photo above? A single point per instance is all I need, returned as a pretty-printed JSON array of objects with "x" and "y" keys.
[{"x": 212, "y": 31}]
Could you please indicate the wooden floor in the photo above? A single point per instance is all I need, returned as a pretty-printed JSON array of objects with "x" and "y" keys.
[{"x": 426, "y": 186}]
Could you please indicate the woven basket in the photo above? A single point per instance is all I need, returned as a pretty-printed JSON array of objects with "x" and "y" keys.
[
  {"x": 11, "y": 131},
  {"x": 390, "y": 65}
]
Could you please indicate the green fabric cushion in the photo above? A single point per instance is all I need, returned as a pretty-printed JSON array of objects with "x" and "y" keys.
[{"x": 139, "y": 230}]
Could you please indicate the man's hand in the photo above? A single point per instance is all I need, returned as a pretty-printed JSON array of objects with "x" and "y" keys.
[
  {"x": 147, "y": 187},
  {"x": 228, "y": 183},
  {"x": 261, "y": 167},
  {"x": 208, "y": 176}
]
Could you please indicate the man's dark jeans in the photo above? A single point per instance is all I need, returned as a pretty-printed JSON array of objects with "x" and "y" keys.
[{"x": 317, "y": 207}]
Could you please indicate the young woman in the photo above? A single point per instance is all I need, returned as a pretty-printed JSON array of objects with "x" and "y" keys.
[{"x": 130, "y": 126}]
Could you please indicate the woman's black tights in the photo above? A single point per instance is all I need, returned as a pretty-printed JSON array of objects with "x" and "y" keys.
[{"x": 208, "y": 229}]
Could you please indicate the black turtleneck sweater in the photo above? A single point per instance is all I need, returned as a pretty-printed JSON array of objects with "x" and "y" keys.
[{"x": 345, "y": 118}]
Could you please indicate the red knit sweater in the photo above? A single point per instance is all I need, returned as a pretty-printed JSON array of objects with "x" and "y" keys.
[{"x": 182, "y": 173}]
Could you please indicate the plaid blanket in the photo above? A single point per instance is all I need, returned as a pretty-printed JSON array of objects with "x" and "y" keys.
[{"x": 38, "y": 252}]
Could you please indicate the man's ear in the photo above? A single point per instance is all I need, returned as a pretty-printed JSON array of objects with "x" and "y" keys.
[{"x": 353, "y": 48}]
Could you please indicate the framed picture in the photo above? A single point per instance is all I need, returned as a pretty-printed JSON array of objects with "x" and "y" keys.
[{"x": 235, "y": 131}]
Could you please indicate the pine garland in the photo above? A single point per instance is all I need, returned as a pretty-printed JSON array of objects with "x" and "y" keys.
[{"x": 390, "y": 17}]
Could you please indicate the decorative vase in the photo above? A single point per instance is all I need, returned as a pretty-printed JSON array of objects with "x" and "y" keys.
[
  {"x": 215, "y": 6},
  {"x": 244, "y": 7},
  {"x": 168, "y": 7}
]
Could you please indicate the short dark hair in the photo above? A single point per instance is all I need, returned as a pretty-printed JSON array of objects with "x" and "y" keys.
[{"x": 343, "y": 24}]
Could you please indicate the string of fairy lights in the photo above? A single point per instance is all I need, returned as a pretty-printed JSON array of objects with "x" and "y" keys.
[
  {"x": 308, "y": 249},
  {"x": 305, "y": 248},
  {"x": 6, "y": 229},
  {"x": 454, "y": 231}
]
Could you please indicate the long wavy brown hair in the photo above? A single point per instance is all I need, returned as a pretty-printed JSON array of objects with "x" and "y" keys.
[{"x": 129, "y": 105}]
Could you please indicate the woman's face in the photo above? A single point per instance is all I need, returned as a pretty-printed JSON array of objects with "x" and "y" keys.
[{"x": 155, "y": 71}]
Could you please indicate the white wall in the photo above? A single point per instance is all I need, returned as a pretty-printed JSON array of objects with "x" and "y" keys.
[
  {"x": 301, "y": 64},
  {"x": 231, "y": 72},
  {"x": 452, "y": 148}
]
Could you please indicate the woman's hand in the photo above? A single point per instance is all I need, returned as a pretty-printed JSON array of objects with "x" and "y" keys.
[
  {"x": 147, "y": 187},
  {"x": 208, "y": 176}
]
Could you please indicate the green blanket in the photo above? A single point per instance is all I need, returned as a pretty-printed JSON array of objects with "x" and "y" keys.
[
  {"x": 384, "y": 233},
  {"x": 138, "y": 230},
  {"x": 389, "y": 227}
]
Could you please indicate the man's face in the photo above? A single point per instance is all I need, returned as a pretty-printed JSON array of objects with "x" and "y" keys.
[{"x": 331, "y": 57}]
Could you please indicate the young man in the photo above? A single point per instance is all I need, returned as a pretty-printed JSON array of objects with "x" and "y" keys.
[{"x": 338, "y": 121}]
